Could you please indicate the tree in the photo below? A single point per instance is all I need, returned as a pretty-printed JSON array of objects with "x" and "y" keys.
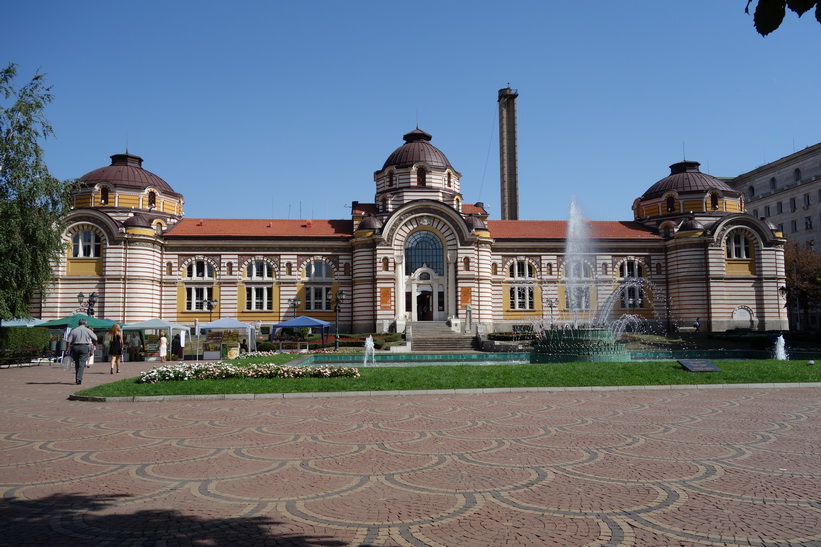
[
  {"x": 802, "y": 266},
  {"x": 769, "y": 14},
  {"x": 32, "y": 202}
]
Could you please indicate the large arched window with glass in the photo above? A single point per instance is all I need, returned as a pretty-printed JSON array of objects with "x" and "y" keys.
[
  {"x": 632, "y": 292},
  {"x": 578, "y": 279},
  {"x": 520, "y": 292},
  {"x": 424, "y": 248}
]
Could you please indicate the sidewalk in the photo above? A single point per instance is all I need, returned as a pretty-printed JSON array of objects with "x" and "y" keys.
[{"x": 729, "y": 466}]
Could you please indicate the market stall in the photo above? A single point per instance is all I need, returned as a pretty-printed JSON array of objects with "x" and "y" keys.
[
  {"x": 223, "y": 338},
  {"x": 61, "y": 327},
  {"x": 149, "y": 333}
]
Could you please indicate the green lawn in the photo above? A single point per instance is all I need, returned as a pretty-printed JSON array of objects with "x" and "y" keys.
[{"x": 472, "y": 376}]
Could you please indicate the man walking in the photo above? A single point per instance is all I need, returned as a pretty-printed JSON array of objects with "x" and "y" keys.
[{"x": 80, "y": 340}]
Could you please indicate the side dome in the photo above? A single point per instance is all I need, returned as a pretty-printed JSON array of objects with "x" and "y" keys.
[
  {"x": 417, "y": 148},
  {"x": 126, "y": 173},
  {"x": 685, "y": 178},
  {"x": 137, "y": 221},
  {"x": 370, "y": 222},
  {"x": 691, "y": 225},
  {"x": 475, "y": 223}
]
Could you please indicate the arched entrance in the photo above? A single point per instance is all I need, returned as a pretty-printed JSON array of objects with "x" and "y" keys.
[{"x": 425, "y": 279}]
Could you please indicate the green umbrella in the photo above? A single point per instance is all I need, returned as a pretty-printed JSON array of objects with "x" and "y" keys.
[{"x": 74, "y": 320}]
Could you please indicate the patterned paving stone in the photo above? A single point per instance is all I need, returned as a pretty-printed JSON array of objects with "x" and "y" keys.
[{"x": 686, "y": 467}]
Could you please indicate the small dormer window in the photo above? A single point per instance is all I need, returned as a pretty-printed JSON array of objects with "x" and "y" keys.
[
  {"x": 421, "y": 177},
  {"x": 104, "y": 195},
  {"x": 152, "y": 200},
  {"x": 714, "y": 201}
]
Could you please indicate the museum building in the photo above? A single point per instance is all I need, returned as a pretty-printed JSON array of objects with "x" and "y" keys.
[{"x": 417, "y": 253}]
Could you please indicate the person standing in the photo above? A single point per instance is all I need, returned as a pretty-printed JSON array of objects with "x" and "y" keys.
[
  {"x": 134, "y": 344},
  {"x": 175, "y": 346},
  {"x": 697, "y": 324},
  {"x": 80, "y": 340},
  {"x": 163, "y": 347},
  {"x": 115, "y": 349}
]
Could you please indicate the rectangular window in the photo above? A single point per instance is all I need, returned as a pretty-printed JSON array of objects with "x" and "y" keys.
[
  {"x": 779, "y": 207},
  {"x": 794, "y": 226},
  {"x": 808, "y": 223},
  {"x": 766, "y": 210},
  {"x": 258, "y": 299},
  {"x": 755, "y": 213},
  {"x": 781, "y": 228},
  {"x": 792, "y": 205},
  {"x": 317, "y": 298},
  {"x": 521, "y": 298},
  {"x": 195, "y": 297},
  {"x": 806, "y": 201}
]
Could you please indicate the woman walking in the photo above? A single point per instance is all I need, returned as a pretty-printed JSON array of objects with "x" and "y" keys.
[{"x": 115, "y": 349}]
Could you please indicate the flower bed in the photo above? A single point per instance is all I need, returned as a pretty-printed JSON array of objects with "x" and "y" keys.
[{"x": 222, "y": 371}]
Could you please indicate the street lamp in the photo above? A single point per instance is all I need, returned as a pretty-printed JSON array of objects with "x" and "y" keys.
[
  {"x": 90, "y": 303},
  {"x": 340, "y": 298},
  {"x": 551, "y": 303},
  {"x": 210, "y": 305},
  {"x": 295, "y": 304}
]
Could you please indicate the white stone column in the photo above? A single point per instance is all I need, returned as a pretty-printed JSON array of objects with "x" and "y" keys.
[{"x": 451, "y": 310}]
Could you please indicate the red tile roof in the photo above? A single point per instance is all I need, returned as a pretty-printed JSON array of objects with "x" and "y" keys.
[
  {"x": 557, "y": 229},
  {"x": 260, "y": 228}
]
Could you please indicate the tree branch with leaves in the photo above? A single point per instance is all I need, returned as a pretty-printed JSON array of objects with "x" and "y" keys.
[
  {"x": 32, "y": 202},
  {"x": 769, "y": 14}
]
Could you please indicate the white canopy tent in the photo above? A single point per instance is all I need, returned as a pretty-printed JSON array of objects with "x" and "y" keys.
[
  {"x": 229, "y": 323},
  {"x": 159, "y": 325}
]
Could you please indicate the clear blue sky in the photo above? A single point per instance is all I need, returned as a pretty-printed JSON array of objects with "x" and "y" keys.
[{"x": 259, "y": 109}]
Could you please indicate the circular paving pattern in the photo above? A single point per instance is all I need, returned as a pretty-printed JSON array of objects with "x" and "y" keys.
[{"x": 732, "y": 466}]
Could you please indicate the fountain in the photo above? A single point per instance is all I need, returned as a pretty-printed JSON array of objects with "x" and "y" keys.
[
  {"x": 369, "y": 351},
  {"x": 584, "y": 333},
  {"x": 781, "y": 349}
]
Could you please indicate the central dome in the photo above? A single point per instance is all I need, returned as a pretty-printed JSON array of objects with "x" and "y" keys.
[
  {"x": 417, "y": 148},
  {"x": 686, "y": 178},
  {"x": 126, "y": 172}
]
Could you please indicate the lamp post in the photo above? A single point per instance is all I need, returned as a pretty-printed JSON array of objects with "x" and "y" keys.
[
  {"x": 90, "y": 303},
  {"x": 551, "y": 303},
  {"x": 295, "y": 304},
  {"x": 340, "y": 297},
  {"x": 210, "y": 305}
]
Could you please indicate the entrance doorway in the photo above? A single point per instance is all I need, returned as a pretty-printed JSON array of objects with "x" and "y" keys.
[{"x": 424, "y": 306}]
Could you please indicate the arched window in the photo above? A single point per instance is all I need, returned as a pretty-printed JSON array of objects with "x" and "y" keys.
[
  {"x": 658, "y": 268},
  {"x": 738, "y": 246},
  {"x": 796, "y": 175},
  {"x": 259, "y": 270},
  {"x": 578, "y": 280},
  {"x": 289, "y": 270},
  {"x": 318, "y": 269},
  {"x": 521, "y": 269},
  {"x": 152, "y": 199},
  {"x": 450, "y": 183},
  {"x": 667, "y": 232},
  {"x": 751, "y": 191},
  {"x": 714, "y": 201},
  {"x": 347, "y": 269},
  {"x": 229, "y": 267},
  {"x": 604, "y": 268},
  {"x": 423, "y": 248},
  {"x": 494, "y": 269},
  {"x": 169, "y": 268},
  {"x": 86, "y": 244},
  {"x": 385, "y": 263},
  {"x": 549, "y": 268},
  {"x": 466, "y": 263},
  {"x": 391, "y": 179},
  {"x": 104, "y": 195},
  {"x": 772, "y": 183},
  {"x": 631, "y": 268},
  {"x": 200, "y": 269},
  {"x": 421, "y": 176},
  {"x": 671, "y": 204}
]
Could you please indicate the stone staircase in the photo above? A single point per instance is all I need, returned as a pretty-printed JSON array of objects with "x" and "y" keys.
[{"x": 436, "y": 336}]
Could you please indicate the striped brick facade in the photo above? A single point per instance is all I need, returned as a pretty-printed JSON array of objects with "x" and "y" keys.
[{"x": 147, "y": 261}]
